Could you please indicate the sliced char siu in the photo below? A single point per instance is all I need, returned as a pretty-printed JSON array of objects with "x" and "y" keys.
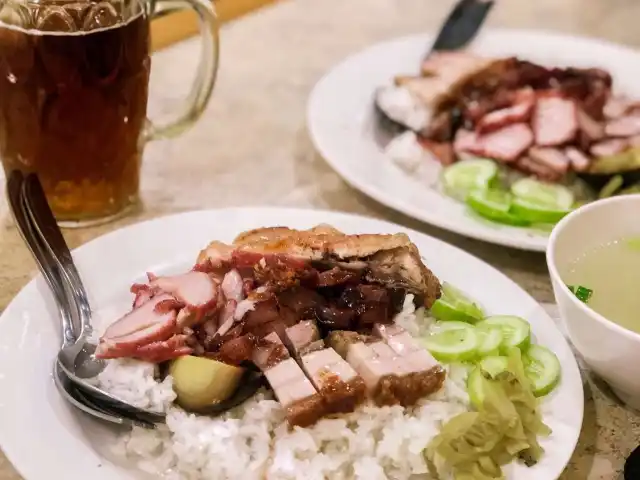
[{"x": 555, "y": 120}]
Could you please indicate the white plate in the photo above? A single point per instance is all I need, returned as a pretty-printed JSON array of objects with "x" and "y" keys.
[
  {"x": 341, "y": 120},
  {"x": 46, "y": 439}
]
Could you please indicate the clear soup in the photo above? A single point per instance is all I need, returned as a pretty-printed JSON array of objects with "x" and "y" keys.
[{"x": 612, "y": 272}]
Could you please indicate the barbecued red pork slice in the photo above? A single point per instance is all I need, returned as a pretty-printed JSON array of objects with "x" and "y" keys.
[
  {"x": 232, "y": 286},
  {"x": 608, "y": 147},
  {"x": 519, "y": 112},
  {"x": 588, "y": 127},
  {"x": 302, "y": 403},
  {"x": 505, "y": 144},
  {"x": 144, "y": 325},
  {"x": 554, "y": 120},
  {"x": 196, "y": 293},
  {"x": 552, "y": 158},
  {"x": 527, "y": 165},
  {"x": 579, "y": 161},
  {"x": 619, "y": 106},
  {"x": 627, "y": 126},
  {"x": 465, "y": 141},
  {"x": 338, "y": 383},
  {"x": 634, "y": 141}
]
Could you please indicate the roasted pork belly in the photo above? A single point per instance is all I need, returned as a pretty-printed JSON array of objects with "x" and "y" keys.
[
  {"x": 394, "y": 368},
  {"x": 301, "y": 401},
  {"x": 339, "y": 384},
  {"x": 284, "y": 258}
]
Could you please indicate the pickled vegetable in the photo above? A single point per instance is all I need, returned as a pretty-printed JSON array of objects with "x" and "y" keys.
[
  {"x": 200, "y": 382},
  {"x": 506, "y": 425}
]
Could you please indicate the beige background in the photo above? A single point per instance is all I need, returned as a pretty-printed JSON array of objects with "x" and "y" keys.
[{"x": 251, "y": 146}]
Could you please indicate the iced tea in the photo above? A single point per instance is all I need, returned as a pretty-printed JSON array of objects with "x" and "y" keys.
[{"x": 73, "y": 101}]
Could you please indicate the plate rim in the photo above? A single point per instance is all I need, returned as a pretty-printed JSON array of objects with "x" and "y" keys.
[
  {"x": 12, "y": 449},
  {"x": 534, "y": 243}
]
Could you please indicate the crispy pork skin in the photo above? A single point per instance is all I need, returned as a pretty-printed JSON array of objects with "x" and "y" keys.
[
  {"x": 424, "y": 373},
  {"x": 397, "y": 373},
  {"x": 283, "y": 257},
  {"x": 338, "y": 383}
]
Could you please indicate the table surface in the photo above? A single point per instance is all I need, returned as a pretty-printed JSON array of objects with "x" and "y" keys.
[{"x": 251, "y": 147}]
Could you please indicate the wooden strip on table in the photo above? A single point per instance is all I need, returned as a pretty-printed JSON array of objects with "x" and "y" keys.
[{"x": 180, "y": 25}]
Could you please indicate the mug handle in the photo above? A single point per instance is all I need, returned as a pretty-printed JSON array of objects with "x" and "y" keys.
[{"x": 206, "y": 74}]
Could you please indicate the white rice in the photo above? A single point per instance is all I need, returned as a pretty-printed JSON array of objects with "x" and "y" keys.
[
  {"x": 405, "y": 151},
  {"x": 254, "y": 442}
]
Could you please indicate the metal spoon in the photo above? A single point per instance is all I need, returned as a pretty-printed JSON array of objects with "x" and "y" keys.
[
  {"x": 76, "y": 358},
  {"x": 36, "y": 224},
  {"x": 82, "y": 402},
  {"x": 52, "y": 278}
]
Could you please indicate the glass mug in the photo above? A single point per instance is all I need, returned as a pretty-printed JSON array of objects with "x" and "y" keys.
[{"x": 74, "y": 81}]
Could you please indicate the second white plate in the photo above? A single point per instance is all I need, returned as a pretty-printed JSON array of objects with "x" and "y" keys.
[{"x": 342, "y": 121}]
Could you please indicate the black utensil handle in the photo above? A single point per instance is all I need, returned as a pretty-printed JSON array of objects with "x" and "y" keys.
[{"x": 462, "y": 24}]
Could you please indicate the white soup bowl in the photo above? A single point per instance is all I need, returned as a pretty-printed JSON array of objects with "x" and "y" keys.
[{"x": 611, "y": 351}]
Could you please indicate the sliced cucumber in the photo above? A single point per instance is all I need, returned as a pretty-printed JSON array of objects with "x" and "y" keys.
[
  {"x": 537, "y": 212},
  {"x": 455, "y": 306},
  {"x": 515, "y": 330},
  {"x": 467, "y": 175},
  {"x": 494, "y": 365},
  {"x": 542, "y": 193},
  {"x": 542, "y": 368},
  {"x": 490, "y": 339},
  {"x": 494, "y": 205},
  {"x": 452, "y": 342}
]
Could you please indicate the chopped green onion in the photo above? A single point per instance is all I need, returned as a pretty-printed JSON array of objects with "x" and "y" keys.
[{"x": 583, "y": 293}]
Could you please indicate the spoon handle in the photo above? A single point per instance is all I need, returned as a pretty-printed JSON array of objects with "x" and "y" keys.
[
  {"x": 45, "y": 262},
  {"x": 50, "y": 235}
]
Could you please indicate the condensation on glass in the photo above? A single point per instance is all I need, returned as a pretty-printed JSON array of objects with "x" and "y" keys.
[{"x": 73, "y": 98}]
